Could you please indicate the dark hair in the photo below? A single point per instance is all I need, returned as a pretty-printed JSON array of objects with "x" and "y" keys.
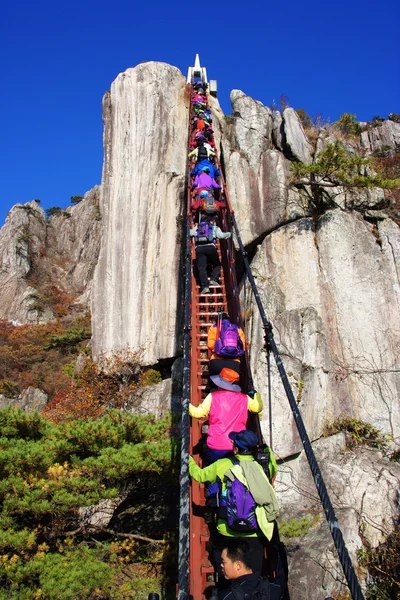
[
  {"x": 238, "y": 550},
  {"x": 250, "y": 452}
]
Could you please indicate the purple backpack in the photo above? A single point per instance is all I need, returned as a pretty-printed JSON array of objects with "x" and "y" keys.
[
  {"x": 237, "y": 506},
  {"x": 229, "y": 344},
  {"x": 205, "y": 233}
]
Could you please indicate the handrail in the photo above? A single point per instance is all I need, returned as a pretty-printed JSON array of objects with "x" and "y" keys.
[
  {"x": 337, "y": 536},
  {"x": 184, "y": 533},
  {"x": 184, "y": 513}
]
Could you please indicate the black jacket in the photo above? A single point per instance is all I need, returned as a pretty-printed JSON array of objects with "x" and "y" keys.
[{"x": 245, "y": 585}]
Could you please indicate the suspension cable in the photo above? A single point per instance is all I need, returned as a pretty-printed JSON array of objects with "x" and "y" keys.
[{"x": 337, "y": 536}]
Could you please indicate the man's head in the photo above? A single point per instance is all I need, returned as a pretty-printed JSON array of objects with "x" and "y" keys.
[
  {"x": 235, "y": 559},
  {"x": 244, "y": 442}
]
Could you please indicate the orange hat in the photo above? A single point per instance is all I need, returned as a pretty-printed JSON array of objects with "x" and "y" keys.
[
  {"x": 230, "y": 375},
  {"x": 226, "y": 380}
]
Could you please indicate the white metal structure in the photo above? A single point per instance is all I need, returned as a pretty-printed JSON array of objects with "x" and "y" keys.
[{"x": 197, "y": 71}]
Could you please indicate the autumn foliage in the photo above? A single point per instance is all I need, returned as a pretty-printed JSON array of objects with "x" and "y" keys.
[{"x": 28, "y": 358}]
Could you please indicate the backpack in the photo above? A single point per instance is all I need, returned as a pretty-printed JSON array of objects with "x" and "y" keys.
[
  {"x": 229, "y": 344},
  {"x": 202, "y": 154},
  {"x": 209, "y": 205},
  {"x": 264, "y": 591},
  {"x": 263, "y": 458},
  {"x": 205, "y": 233},
  {"x": 237, "y": 505}
]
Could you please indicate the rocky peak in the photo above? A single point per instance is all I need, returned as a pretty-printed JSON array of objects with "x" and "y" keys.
[
  {"x": 41, "y": 259},
  {"x": 135, "y": 301},
  {"x": 383, "y": 137}
]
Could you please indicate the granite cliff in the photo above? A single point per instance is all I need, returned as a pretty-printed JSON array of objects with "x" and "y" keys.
[
  {"x": 45, "y": 262},
  {"x": 330, "y": 284}
]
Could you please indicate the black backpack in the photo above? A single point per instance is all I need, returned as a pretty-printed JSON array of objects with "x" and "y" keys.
[
  {"x": 264, "y": 591},
  {"x": 202, "y": 154}
]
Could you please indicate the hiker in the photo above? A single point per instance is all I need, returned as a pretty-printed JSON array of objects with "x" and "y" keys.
[
  {"x": 207, "y": 204},
  {"x": 198, "y": 123},
  {"x": 202, "y": 140},
  {"x": 220, "y": 359},
  {"x": 236, "y": 567},
  {"x": 201, "y": 153},
  {"x": 205, "y": 181},
  {"x": 206, "y": 233},
  {"x": 255, "y": 523},
  {"x": 214, "y": 172},
  {"x": 200, "y": 87},
  {"x": 226, "y": 410},
  {"x": 208, "y": 133}
]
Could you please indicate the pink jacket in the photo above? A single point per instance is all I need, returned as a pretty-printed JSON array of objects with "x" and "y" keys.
[{"x": 228, "y": 413}]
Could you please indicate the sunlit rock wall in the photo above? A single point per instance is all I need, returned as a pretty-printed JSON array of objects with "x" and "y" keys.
[
  {"x": 135, "y": 302},
  {"x": 332, "y": 293},
  {"x": 256, "y": 170}
]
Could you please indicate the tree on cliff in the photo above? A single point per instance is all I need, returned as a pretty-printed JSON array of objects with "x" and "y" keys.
[{"x": 336, "y": 172}]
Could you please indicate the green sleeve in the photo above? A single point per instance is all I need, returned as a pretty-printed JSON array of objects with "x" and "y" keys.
[
  {"x": 201, "y": 475},
  {"x": 273, "y": 467}
]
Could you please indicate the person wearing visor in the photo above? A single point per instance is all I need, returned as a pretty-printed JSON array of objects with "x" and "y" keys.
[{"x": 227, "y": 410}]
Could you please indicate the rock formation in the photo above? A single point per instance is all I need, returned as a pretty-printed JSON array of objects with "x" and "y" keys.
[
  {"x": 256, "y": 172},
  {"x": 382, "y": 138},
  {"x": 363, "y": 486},
  {"x": 136, "y": 301},
  {"x": 30, "y": 400},
  {"x": 41, "y": 259},
  {"x": 336, "y": 323}
]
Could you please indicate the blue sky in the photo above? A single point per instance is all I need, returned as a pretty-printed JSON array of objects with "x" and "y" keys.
[{"x": 59, "y": 58}]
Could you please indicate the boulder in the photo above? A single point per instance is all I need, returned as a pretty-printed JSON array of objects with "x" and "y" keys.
[
  {"x": 252, "y": 125},
  {"x": 156, "y": 399},
  {"x": 295, "y": 141},
  {"x": 332, "y": 295},
  {"x": 30, "y": 400},
  {"x": 73, "y": 242},
  {"x": 99, "y": 515},
  {"x": 363, "y": 487},
  {"x": 135, "y": 301}
]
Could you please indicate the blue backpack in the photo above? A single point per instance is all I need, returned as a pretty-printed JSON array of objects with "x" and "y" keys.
[
  {"x": 237, "y": 505},
  {"x": 229, "y": 344}
]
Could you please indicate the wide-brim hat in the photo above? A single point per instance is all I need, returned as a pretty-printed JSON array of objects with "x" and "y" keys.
[
  {"x": 226, "y": 380},
  {"x": 245, "y": 439}
]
